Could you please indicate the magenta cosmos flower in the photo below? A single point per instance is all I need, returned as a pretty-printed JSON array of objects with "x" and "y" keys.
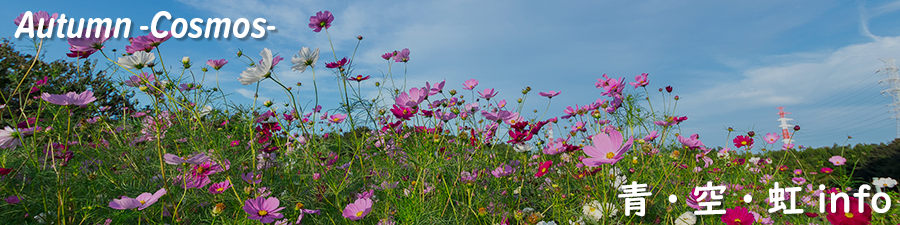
[
  {"x": 141, "y": 202},
  {"x": 470, "y": 84},
  {"x": 71, "y": 98},
  {"x": 322, "y": 19},
  {"x": 263, "y": 209},
  {"x": 737, "y": 216},
  {"x": 550, "y": 94},
  {"x": 358, "y": 209},
  {"x": 544, "y": 168},
  {"x": 216, "y": 64},
  {"x": 219, "y": 188},
  {"x": 741, "y": 141},
  {"x": 38, "y": 20},
  {"x": 607, "y": 149},
  {"x": 837, "y": 160}
]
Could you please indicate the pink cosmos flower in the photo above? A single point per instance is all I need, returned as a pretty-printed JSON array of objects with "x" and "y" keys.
[
  {"x": 787, "y": 146},
  {"x": 503, "y": 170},
  {"x": 737, "y": 216},
  {"x": 837, "y": 160},
  {"x": 140, "y": 79},
  {"x": 216, "y": 64},
  {"x": 412, "y": 98},
  {"x": 641, "y": 80},
  {"x": 89, "y": 42},
  {"x": 544, "y": 168},
  {"x": 470, "y": 84},
  {"x": 321, "y": 20},
  {"x": 39, "y": 20},
  {"x": 218, "y": 188},
  {"x": 436, "y": 89},
  {"x": 550, "y": 94},
  {"x": 826, "y": 170},
  {"x": 10, "y": 137},
  {"x": 652, "y": 136},
  {"x": 358, "y": 209},
  {"x": 71, "y": 98},
  {"x": 692, "y": 143},
  {"x": 607, "y": 148},
  {"x": 141, "y": 202},
  {"x": 387, "y": 56},
  {"x": 487, "y": 94},
  {"x": 263, "y": 209},
  {"x": 197, "y": 159},
  {"x": 771, "y": 138},
  {"x": 402, "y": 56},
  {"x": 798, "y": 180},
  {"x": 337, "y": 118}
]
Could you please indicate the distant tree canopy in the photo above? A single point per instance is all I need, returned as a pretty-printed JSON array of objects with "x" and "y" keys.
[{"x": 62, "y": 77}]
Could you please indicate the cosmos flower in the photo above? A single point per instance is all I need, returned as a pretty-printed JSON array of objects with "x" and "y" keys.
[
  {"x": 402, "y": 56},
  {"x": 263, "y": 209},
  {"x": 550, "y": 94},
  {"x": 216, "y": 64},
  {"x": 641, "y": 80},
  {"x": 138, "y": 60},
  {"x": 470, "y": 84},
  {"x": 544, "y": 168},
  {"x": 305, "y": 58},
  {"x": 607, "y": 148},
  {"x": 321, "y": 20},
  {"x": 358, "y": 209},
  {"x": 837, "y": 160},
  {"x": 741, "y": 141},
  {"x": 259, "y": 71},
  {"x": 71, "y": 98},
  {"x": 737, "y": 216},
  {"x": 853, "y": 217},
  {"x": 487, "y": 94},
  {"x": 141, "y": 202},
  {"x": 39, "y": 20}
]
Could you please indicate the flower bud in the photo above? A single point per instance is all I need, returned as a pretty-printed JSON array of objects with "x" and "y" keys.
[
  {"x": 519, "y": 101},
  {"x": 185, "y": 60},
  {"x": 268, "y": 103},
  {"x": 218, "y": 209},
  {"x": 676, "y": 98},
  {"x": 751, "y": 133},
  {"x": 240, "y": 53},
  {"x": 359, "y": 37},
  {"x": 298, "y": 206},
  {"x": 204, "y": 69},
  {"x": 797, "y": 128}
]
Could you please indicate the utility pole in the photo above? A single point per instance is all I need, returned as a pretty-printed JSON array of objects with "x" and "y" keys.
[
  {"x": 785, "y": 127},
  {"x": 893, "y": 83}
]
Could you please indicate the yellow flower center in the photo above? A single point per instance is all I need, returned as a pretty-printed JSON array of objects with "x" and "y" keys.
[
  {"x": 593, "y": 209},
  {"x": 737, "y": 220},
  {"x": 220, "y": 189},
  {"x": 263, "y": 212},
  {"x": 610, "y": 155},
  {"x": 848, "y": 215},
  {"x": 142, "y": 202},
  {"x": 544, "y": 170},
  {"x": 743, "y": 142},
  {"x": 359, "y": 214}
]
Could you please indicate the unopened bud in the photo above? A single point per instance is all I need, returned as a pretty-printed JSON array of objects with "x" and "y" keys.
[
  {"x": 268, "y": 103},
  {"x": 797, "y": 128},
  {"x": 185, "y": 60},
  {"x": 751, "y": 133},
  {"x": 452, "y": 91}
]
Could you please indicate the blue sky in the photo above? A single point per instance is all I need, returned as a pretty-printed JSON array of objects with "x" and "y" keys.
[{"x": 731, "y": 63}]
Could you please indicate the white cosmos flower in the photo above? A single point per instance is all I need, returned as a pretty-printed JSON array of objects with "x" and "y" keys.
[
  {"x": 259, "y": 71},
  {"x": 594, "y": 210},
  {"x": 137, "y": 60},
  {"x": 305, "y": 58},
  {"x": 687, "y": 218},
  {"x": 522, "y": 147},
  {"x": 206, "y": 110},
  {"x": 885, "y": 182}
]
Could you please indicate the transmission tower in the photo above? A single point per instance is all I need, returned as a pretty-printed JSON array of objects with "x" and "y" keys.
[
  {"x": 893, "y": 83},
  {"x": 785, "y": 127}
]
